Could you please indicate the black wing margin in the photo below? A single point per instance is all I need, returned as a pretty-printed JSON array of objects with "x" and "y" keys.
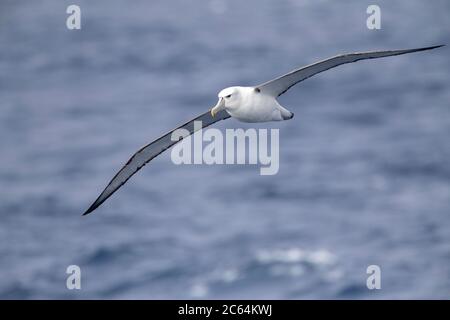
[
  {"x": 280, "y": 85},
  {"x": 149, "y": 152}
]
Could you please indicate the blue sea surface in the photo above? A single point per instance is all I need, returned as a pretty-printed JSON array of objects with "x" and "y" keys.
[{"x": 364, "y": 173}]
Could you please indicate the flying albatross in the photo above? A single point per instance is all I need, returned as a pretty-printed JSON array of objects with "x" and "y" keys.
[{"x": 249, "y": 104}]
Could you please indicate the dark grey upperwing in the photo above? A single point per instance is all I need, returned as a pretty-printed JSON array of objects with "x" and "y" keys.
[
  {"x": 280, "y": 85},
  {"x": 150, "y": 151}
]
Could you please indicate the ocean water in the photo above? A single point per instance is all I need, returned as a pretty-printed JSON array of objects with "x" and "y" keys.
[{"x": 364, "y": 173}]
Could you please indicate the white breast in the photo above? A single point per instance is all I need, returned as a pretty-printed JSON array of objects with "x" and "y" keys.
[{"x": 255, "y": 106}]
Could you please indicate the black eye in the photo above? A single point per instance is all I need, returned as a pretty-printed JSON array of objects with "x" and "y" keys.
[{"x": 228, "y": 96}]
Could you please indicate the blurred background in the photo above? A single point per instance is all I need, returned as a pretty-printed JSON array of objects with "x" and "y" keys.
[{"x": 364, "y": 165}]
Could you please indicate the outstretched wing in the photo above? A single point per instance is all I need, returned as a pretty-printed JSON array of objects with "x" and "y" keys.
[
  {"x": 150, "y": 151},
  {"x": 280, "y": 85}
]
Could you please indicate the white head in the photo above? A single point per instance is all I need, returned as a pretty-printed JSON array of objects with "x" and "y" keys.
[{"x": 229, "y": 98}]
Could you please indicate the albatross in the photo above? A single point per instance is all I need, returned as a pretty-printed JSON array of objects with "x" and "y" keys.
[{"x": 248, "y": 104}]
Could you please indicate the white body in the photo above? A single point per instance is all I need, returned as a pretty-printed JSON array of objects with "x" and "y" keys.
[{"x": 249, "y": 104}]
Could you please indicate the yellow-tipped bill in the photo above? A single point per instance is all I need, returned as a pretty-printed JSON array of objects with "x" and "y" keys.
[{"x": 218, "y": 107}]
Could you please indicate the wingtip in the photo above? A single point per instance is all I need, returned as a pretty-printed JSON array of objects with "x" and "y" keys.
[
  {"x": 425, "y": 48},
  {"x": 89, "y": 210},
  {"x": 430, "y": 48},
  {"x": 434, "y": 47}
]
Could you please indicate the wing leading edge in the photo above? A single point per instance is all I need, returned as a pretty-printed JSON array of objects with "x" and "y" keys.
[
  {"x": 149, "y": 152},
  {"x": 280, "y": 85}
]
